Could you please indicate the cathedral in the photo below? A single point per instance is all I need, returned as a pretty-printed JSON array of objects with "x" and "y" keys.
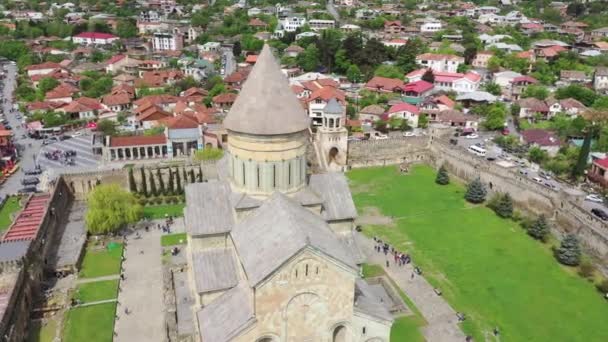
[{"x": 271, "y": 249}]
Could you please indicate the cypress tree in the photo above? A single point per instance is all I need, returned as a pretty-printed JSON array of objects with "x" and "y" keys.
[
  {"x": 192, "y": 179},
  {"x": 144, "y": 185},
  {"x": 442, "y": 176},
  {"x": 476, "y": 192},
  {"x": 153, "y": 190},
  {"x": 504, "y": 207},
  {"x": 178, "y": 181},
  {"x": 171, "y": 184},
  {"x": 161, "y": 182},
  {"x": 185, "y": 174},
  {"x": 132, "y": 184},
  {"x": 569, "y": 251},
  {"x": 200, "y": 174},
  {"x": 539, "y": 229}
]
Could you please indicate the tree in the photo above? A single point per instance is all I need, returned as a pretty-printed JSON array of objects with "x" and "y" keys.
[
  {"x": 575, "y": 9},
  {"x": 170, "y": 184},
  {"x": 144, "y": 185},
  {"x": 236, "y": 49},
  {"x": 476, "y": 192},
  {"x": 161, "y": 183},
  {"x": 353, "y": 74},
  {"x": 494, "y": 64},
  {"x": 200, "y": 174},
  {"x": 406, "y": 54},
  {"x": 495, "y": 118},
  {"x": 423, "y": 121},
  {"x": 126, "y": 29},
  {"x": 389, "y": 71},
  {"x": 110, "y": 207},
  {"x": 328, "y": 44},
  {"x": 153, "y": 189},
  {"x": 132, "y": 184},
  {"x": 46, "y": 84},
  {"x": 493, "y": 88},
  {"x": 536, "y": 91},
  {"x": 537, "y": 155},
  {"x": 185, "y": 174},
  {"x": 107, "y": 127},
  {"x": 442, "y": 176},
  {"x": 192, "y": 179},
  {"x": 309, "y": 58},
  {"x": 428, "y": 76},
  {"x": 595, "y": 119},
  {"x": 504, "y": 207},
  {"x": 539, "y": 229},
  {"x": 569, "y": 251},
  {"x": 601, "y": 103},
  {"x": 178, "y": 182},
  {"x": 585, "y": 95}
]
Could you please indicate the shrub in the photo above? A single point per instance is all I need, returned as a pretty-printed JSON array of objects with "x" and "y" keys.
[
  {"x": 569, "y": 251},
  {"x": 158, "y": 200},
  {"x": 586, "y": 270},
  {"x": 476, "y": 192},
  {"x": 539, "y": 229},
  {"x": 603, "y": 286},
  {"x": 143, "y": 201},
  {"x": 442, "y": 176},
  {"x": 504, "y": 207}
]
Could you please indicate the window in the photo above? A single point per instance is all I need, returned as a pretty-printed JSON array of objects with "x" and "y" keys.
[
  {"x": 274, "y": 178},
  {"x": 243, "y": 173},
  {"x": 306, "y": 270},
  {"x": 289, "y": 174},
  {"x": 317, "y": 270},
  {"x": 258, "y": 175}
]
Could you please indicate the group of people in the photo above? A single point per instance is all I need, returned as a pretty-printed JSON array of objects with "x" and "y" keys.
[{"x": 398, "y": 258}]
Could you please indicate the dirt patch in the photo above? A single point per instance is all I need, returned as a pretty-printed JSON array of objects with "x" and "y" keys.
[{"x": 373, "y": 216}]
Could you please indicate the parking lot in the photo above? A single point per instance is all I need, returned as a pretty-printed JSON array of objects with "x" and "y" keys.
[{"x": 83, "y": 158}]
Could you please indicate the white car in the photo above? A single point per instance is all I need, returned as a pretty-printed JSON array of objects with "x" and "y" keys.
[
  {"x": 471, "y": 136},
  {"x": 379, "y": 136},
  {"x": 77, "y": 134},
  {"x": 538, "y": 180},
  {"x": 594, "y": 198},
  {"x": 409, "y": 134}
]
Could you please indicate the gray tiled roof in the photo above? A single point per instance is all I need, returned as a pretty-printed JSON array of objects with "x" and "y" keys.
[
  {"x": 226, "y": 316},
  {"x": 368, "y": 303},
  {"x": 214, "y": 270},
  {"x": 209, "y": 209},
  {"x": 266, "y": 105},
  {"x": 184, "y": 133},
  {"x": 278, "y": 230},
  {"x": 13, "y": 250},
  {"x": 307, "y": 197},
  {"x": 333, "y": 189},
  {"x": 333, "y": 107},
  {"x": 348, "y": 239},
  {"x": 242, "y": 201}
]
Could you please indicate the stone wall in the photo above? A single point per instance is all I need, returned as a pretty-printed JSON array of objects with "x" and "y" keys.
[{"x": 387, "y": 152}]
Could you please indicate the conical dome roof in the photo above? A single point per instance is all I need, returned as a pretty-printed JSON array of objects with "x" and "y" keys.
[{"x": 266, "y": 105}]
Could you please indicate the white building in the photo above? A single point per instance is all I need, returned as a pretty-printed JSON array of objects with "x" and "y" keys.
[
  {"x": 94, "y": 38},
  {"x": 439, "y": 62},
  {"x": 211, "y": 47},
  {"x": 292, "y": 23},
  {"x": 321, "y": 24},
  {"x": 600, "y": 79},
  {"x": 431, "y": 26},
  {"x": 149, "y": 16},
  {"x": 163, "y": 41}
]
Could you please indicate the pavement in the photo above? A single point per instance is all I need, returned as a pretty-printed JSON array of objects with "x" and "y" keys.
[
  {"x": 441, "y": 317},
  {"x": 141, "y": 292},
  {"x": 27, "y": 147},
  {"x": 229, "y": 62},
  {"x": 81, "y": 145}
]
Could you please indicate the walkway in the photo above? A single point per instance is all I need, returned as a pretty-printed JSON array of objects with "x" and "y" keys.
[
  {"x": 92, "y": 280},
  {"x": 141, "y": 291},
  {"x": 442, "y": 321},
  {"x": 95, "y": 303}
]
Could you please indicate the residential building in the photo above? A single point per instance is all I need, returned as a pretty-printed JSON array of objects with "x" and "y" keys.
[
  {"x": 393, "y": 27},
  {"x": 292, "y": 23},
  {"x": 163, "y": 41},
  {"x": 600, "y": 79},
  {"x": 599, "y": 33},
  {"x": 439, "y": 62},
  {"x": 385, "y": 85},
  {"x": 319, "y": 101},
  {"x": 431, "y": 26},
  {"x": 481, "y": 59},
  {"x": 321, "y": 24},
  {"x": 531, "y": 108},
  {"x": 404, "y": 111},
  {"x": 543, "y": 139},
  {"x": 458, "y": 82},
  {"x": 94, "y": 38},
  {"x": 569, "y": 106},
  {"x": 371, "y": 113},
  {"x": 42, "y": 69}
]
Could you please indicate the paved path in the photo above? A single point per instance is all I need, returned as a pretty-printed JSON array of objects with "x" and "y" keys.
[
  {"x": 92, "y": 280},
  {"x": 141, "y": 291},
  {"x": 96, "y": 302},
  {"x": 81, "y": 145},
  {"x": 442, "y": 321}
]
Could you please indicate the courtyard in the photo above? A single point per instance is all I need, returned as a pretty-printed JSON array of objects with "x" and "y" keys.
[{"x": 486, "y": 267}]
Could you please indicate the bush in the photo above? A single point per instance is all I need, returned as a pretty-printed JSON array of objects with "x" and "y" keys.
[
  {"x": 603, "y": 286},
  {"x": 569, "y": 251},
  {"x": 476, "y": 192},
  {"x": 586, "y": 270},
  {"x": 539, "y": 229},
  {"x": 143, "y": 201},
  {"x": 158, "y": 200},
  {"x": 442, "y": 176},
  {"x": 504, "y": 207}
]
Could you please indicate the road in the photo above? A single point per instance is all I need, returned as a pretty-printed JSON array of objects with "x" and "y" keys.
[
  {"x": 229, "y": 61},
  {"x": 27, "y": 147},
  {"x": 332, "y": 10}
]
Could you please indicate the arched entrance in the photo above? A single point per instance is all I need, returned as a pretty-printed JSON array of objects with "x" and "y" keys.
[
  {"x": 333, "y": 153},
  {"x": 339, "y": 334},
  {"x": 303, "y": 316}
]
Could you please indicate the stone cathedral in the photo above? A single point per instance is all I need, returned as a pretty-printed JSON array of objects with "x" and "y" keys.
[{"x": 271, "y": 249}]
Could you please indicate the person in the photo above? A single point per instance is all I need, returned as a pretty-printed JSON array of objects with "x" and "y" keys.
[
  {"x": 496, "y": 332},
  {"x": 387, "y": 264},
  {"x": 122, "y": 276},
  {"x": 412, "y": 277}
]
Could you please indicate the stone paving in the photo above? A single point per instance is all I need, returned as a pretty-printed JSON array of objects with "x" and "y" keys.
[
  {"x": 141, "y": 291},
  {"x": 442, "y": 321},
  {"x": 84, "y": 154}
]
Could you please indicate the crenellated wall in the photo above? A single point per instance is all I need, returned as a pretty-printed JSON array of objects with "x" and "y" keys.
[{"x": 397, "y": 150}]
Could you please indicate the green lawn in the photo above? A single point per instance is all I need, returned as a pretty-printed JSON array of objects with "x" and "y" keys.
[
  {"x": 93, "y": 323},
  {"x": 11, "y": 206},
  {"x": 98, "y": 290},
  {"x": 370, "y": 270},
  {"x": 173, "y": 239},
  {"x": 485, "y": 266},
  {"x": 42, "y": 333},
  {"x": 101, "y": 263},
  {"x": 154, "y": 212}
]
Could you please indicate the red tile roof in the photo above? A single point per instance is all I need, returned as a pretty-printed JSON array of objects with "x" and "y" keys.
[
  {"x": 28, "y": 222},
  {"x": 116, "y": 100},
  {"x": 540, "y": 137},
  {"x": 180, "y": 122},
  {"x": 42, "y": 66},
  {"x": 418, "y": 87},
  {"x": 383, "y": 83},
  {"x": 524, "y": 79},
  {"x": 328, "y": 93},
  {"x": 138, "y": 140},
  {"x": 403, "y": 107},
  {"x": 115, "y": 59},
  {"x": 224, "y": 98},
  {"x": 438, "y": 57},
  {"x": 251, "y": 59},
  {"x": 603, "y": 163},
  {"x": 95, "y": 35}
]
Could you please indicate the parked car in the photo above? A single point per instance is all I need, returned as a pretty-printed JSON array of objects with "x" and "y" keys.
[
  {"x": 523, "y": 172},
  {"x": 409, "y": 134},
  {"x": 472, "y": 136},
  {"x": 77, "y": 134},
  {"x": 544, "y": 175},
  {"x": 28, "y": 189},
  {"x": 594, "y": 198},
  {"x": 538, "y": 180},
  {"x": 30, "y": 181},
  {"x": 550, "y": 185},
  {"x": 379, "y": 136},
  {"x": 600, "y": 213}
]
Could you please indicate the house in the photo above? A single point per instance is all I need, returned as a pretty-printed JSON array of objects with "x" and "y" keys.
[
  {"x": 224, "y": 101},
  {"x": 598, "y": 172},
  {"x": 321, "y": 24},
  {"x": 42, "y": 69},
  {"x": 149, "y": 115},
  {"x": 505, "y": 78},
  {"x": 470, "y": 98},
  {"x": 199, "y": 69},
  {"x": 158, "y": 79},
  {"x": 236, "y": 79},
  {"x": 600, "y": 79},
  {"x": 293, "y": 50},
  {"x": 600, "y": 33},
  {"x": 64, "y": 92},
  {"x": 567, "y": 77},
  {"x": 531, "y": 107},
  {"x": 94, "y": 38},
  {"x": 117, "y": 102},
  {"x": 83, "y": 108},
  {"x": 543, "y": 139},
  {"x": 431, "y": 26},
  {"x": 437, "y": 104},
  {"x": 393, "y": 27},
  {"x": 318, "y": 101},
  {"x": 291, "y": 23},
  {"x": 457, "y": 82},
  {"x": 384, "y": 84},
  {"x": 508, "y": 48},
  {"x": 404, "y": 111},
  {"x": 439, "y": 62},
  {"x": 519, "y": 85},
  {"x": 481, "y": 59},
  {"x": 371, "y": 113},
  {"x": 418, "y": 88},
  {"x": 257, "y": 24},
  {"x": 455, "y": 118},
  {"x": 167, "y": 41},
  {"x": 395, "y": 42},
  {"x": 569, "y": 106}
]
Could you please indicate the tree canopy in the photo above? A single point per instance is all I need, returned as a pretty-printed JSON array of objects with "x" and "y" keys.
[{"x": 111, "y": 207}]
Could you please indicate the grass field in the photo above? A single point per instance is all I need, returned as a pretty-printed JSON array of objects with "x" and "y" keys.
[
  {"x": 11, "y": 206},
  {"x": 173, "y": 239},
  {"x": 42, "y": 333},
  {"x": 98, "y": 290},
  {"x": 101, "y": 263},
  {"x": 486, "y": 267},
  {"x": 93, "y": 323},
  {"x": 154, "y": 212}
]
